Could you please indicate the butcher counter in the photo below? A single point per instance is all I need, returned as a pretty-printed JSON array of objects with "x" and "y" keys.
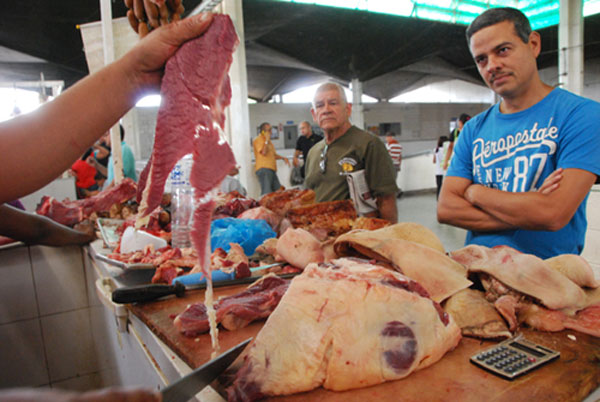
[{"x": 153, "y": 354}]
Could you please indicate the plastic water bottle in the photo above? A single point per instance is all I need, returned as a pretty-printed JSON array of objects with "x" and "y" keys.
[{"x": 182, "y": 203}]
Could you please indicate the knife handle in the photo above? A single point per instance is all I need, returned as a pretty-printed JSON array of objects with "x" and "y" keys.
[{"x": 143, "y": 293}]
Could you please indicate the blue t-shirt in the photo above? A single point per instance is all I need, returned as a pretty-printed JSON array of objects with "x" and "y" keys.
[
  {"x": 516, "y": 152},
  {"x": 128, "y": 165}
]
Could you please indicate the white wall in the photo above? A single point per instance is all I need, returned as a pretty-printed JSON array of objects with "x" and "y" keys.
[{"x": 591, "y": 78}]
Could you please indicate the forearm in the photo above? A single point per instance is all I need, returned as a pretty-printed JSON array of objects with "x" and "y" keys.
[
  {"x": 448, "y": 155},
  {"x": 35, "y": 229},
  {"x": 386, "y": 204},
  {"x": 528, "y": 210},
  {"x": 55, "y": 135},
  {"x": 454, "y": 209}
]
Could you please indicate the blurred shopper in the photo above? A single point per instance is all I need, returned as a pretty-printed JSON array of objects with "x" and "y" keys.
[
  {"x": 460, "y": 123},
  {"x": 438, "y": 158},
  {"x": 266, "y": 158},
  {"x": 127, "y": 158},
  {"x": 85, "y": 175},
  {"x": 305, "y": 142}
]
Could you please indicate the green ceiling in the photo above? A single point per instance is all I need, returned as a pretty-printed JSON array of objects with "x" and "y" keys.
[{"x": 541, "y": 13}]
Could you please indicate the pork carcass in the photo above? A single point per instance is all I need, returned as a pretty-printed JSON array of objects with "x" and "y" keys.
[
  {"x": 281, "y": 201},
  {"x": 410, "y": 231},
  {"x": 525, "y": 273},
  {"x": 342, "y": 325},
  {"x": 299, "y": 248},
  {"x": 437, "y": 273},
  {"x": 324, "y": 219},
  {"x": 574, "y": 267},
  {"x": 525, "y": 289},
  {"x": 476, "y": 316},
  {"x": 264, "y": 213}
]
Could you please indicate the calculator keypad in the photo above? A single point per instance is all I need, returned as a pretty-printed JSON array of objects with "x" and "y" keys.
[{"x": 510, "y": 359}]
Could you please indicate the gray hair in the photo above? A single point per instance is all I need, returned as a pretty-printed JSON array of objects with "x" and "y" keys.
[
  {"x": 494, "y": 16},
  {"x": 328, "y": 86}
]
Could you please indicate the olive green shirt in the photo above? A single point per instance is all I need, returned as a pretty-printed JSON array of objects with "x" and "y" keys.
[{"x": 355, "y": 150}]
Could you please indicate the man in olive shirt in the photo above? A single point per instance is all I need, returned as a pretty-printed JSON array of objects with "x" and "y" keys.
[{"x": 346, "y": 148}]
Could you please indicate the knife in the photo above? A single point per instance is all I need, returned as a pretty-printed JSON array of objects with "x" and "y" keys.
[
  {"x": 144, "y": 293},
  {"x": 185, "y": 388}
]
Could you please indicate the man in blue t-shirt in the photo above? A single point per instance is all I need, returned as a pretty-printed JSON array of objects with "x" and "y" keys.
[{"x": 522, "y": 170}]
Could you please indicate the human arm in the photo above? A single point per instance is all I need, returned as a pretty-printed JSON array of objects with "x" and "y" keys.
[
  {"x": 297, "y": 153},
  {"x": 454, "y": 209},
  {"x": 263, "y": 144},
  {"x": 283, "y": 158},
  {"x": 535, "y": 210},
  {"x": 57, "y": 133},
  {"x": 36, "y": 229},
  {"x": 99, "y": 167},
  {"x": 386, "y": 204},
  {"x": 448, "y": 155},
  {"x": 103, "y": 395}
]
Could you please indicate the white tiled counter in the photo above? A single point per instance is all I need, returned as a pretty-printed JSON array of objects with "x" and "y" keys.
[
  {"x": 133, "y": 354},
  {"x": 45, "y": 333},
  {"x": 58, "y": 327}
]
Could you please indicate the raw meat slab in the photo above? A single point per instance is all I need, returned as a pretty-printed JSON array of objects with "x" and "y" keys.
[{"x": 575, "y": 375}]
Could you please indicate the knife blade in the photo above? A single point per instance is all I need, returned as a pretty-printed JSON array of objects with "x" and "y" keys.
[
  {"x": 144, "y": 293},
  {"x": 185, "y": 388}
]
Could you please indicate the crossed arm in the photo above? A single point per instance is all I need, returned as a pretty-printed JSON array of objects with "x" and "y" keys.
[{"x": 475, "y": 207}]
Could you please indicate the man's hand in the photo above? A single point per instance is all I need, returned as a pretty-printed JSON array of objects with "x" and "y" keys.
[{"x": 144, "y": 64}]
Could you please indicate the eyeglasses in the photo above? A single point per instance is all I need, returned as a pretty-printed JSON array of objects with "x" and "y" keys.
[{"x": 323, "y": 162}]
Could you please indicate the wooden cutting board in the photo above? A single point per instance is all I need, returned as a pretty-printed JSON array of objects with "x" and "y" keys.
[{"x": 571, "y": 378}]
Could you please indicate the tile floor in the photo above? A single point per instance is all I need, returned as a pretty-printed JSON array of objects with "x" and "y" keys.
[{"x": 421, "y": 208}]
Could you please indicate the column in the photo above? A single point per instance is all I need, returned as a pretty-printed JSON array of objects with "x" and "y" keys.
[
  {"x": 109, "y": 57},
  {"x": 238, "y": 117},
  {"x": 570, "y": 45},
  {"x": 357, "y": 117}
]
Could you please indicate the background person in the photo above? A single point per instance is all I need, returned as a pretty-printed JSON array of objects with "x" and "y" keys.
[
  {"x": 100, "y": 159},
  {"x": 85, "y": 174},
  {"x": 394, "y": 149},
  {"x": 536, "y": 138},
  {"x": 304, "y": 143},
  {"x": 438, "y": 157},
  {"x": 128, "y": 162},
  {"x": 266, "y": 158},
  {"x": 460, "y": 123},
  {"x": 346, "y": 148}
]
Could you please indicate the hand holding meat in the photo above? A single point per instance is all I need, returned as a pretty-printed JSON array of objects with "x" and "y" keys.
[
  {"x": 147, "y": 59},
  {"x": 115, "y": 88}
]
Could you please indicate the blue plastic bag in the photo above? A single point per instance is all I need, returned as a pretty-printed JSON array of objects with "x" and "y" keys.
[{"x": 248, "y": 233}]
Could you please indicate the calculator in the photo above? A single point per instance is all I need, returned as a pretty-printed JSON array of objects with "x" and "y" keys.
[{"x": 514, "y": 357}]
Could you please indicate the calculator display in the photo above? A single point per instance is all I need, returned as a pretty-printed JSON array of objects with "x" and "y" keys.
[{"x": 524, "y": 348}]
